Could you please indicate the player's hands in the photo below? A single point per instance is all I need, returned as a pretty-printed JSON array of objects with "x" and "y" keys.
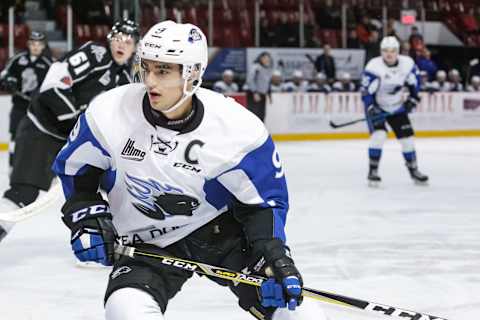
[
  {"x": 284, "y": 287},
  {"x": 92, "y": 230},
  {"x": 10, "y": 84},
  {"x": 410, "y": 104},
  {"x": 257, "y": 97},
  {"x": 375, "y": 114}
]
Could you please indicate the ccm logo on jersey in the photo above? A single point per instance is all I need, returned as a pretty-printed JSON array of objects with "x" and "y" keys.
[
  {"x": 89, "y": 211},
  {"x": 186, "y": 167}
]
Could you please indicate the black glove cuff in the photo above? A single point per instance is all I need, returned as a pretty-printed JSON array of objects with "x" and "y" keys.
[{"x": 84, "y": 206}]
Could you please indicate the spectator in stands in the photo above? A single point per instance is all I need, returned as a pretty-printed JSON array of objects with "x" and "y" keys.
[
  {"x": 372, "y": 48},
  {"x": 258, "y": 84},
  {"x": 352, "y": 41},
  {"x": 344, "y": 83},
  {"x": 276, "y": 83},
  {"x": 325, "y": 63},
  {"x": 470, "y": 23},
  {"x": 441, "y": 84},
  {"x": 425, "y": 62},
  {"x": 390, "y": 30},
  {"x": 286, "y": 32},
  {"x": 226, "y": 85},
  {"x": 455, "y": 80},
  {"x": 267, "y": 34},
  {"x": 297, "y": 84},
  {"x": 475, "y": 84},
  {"x": 363, "y": 30},
  {"x": 425, "y": 84},
  {"x": 416, "y": 42},
  {"x": 405, "y": 48},
  {"x": 320, "y": 84}
]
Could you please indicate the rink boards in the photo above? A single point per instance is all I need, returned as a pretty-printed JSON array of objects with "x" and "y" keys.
[{"x": 306, "y": 116}]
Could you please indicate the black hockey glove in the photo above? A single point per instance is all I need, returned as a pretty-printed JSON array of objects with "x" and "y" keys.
[
  {"x": 375, "y": 114},
  {"x": 284, "y": 286},
  {"x": 10, "y": 84},
  {"x": 410, "y": 104},
  {"x": 93, "y": 233}
]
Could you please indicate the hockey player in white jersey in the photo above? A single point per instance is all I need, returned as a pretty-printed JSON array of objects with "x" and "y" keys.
[
  {"x": 189, "y": 173},
  {"x": 383, "y": 83}
]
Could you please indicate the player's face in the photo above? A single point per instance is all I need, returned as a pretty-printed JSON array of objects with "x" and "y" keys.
[
  {"x": 390, "y": 56},
  {"x": 36, "y": 47},
  {"x": 164, "y": 83},
  {"x": 122, "y": 48},
  {"x": 228, "y": 78}
]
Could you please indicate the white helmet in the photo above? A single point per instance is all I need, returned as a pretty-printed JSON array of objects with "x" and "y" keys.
[
  {"x": 183, "y": 44},
  {"x": 389, "y": 43}
]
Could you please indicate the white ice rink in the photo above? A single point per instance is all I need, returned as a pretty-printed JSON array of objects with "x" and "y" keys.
[{"x": 408, "y": 246}]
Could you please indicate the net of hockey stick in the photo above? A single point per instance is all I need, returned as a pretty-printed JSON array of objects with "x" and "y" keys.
[
  {"x": 254, "y": 280},
  {"x": 36, "y": 207}
]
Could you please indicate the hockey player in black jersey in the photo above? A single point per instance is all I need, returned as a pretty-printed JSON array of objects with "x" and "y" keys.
[
  {"x": 22, "y": 76},
  {"x": 69, "y": 86}
]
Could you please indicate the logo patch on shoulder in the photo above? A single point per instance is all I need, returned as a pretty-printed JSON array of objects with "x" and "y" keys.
[{"x": 99, "y": 52}]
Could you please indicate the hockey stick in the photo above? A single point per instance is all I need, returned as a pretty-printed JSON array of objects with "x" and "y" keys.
[
  {"x": 345, "y": 124},
  {"x": 254, "y": 280},
  {"x": 35, "y": 207},
  {"x": 378, "y": 117}
]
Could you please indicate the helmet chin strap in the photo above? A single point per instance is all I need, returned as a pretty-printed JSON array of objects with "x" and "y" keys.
[{"x": 186, "y": 95}]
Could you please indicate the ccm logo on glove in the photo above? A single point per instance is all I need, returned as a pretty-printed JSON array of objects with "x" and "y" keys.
[{"x": 89, "y": 212}]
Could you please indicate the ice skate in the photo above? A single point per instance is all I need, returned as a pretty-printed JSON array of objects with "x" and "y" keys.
[
  {"x": 373, "y": 178},
  {"x": 418, "y": 177}
]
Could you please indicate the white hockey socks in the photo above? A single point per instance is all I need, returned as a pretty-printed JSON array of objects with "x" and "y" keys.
[{"x": 131, "y": 303}]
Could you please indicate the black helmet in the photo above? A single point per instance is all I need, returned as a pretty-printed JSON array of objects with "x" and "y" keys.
[
  {"x": 127, "y": 27},
  {"x": 37, "y": 36}
]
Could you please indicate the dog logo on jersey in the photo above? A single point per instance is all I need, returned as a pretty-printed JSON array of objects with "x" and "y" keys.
[
  {"x": 120, "y": 271},
  {"x": 162, "y": 147},
  {"x": 159, "y": 200}
]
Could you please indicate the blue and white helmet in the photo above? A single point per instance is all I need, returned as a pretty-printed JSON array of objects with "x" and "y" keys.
[{"x": 183, "y": 44}]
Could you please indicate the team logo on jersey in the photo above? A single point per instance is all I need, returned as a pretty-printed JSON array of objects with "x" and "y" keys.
[
  {"x": 105, "y": 79},
  {"x": 129, "y": 151},
  {"x": 159, "y": 200},
  {"x": 120, "y": 271},
  {"x": 161, "y": 146},
  {"x": 194, "y": 35},
  {"x": 23, "y": 61},
  {"x": 98, "y": 51}
]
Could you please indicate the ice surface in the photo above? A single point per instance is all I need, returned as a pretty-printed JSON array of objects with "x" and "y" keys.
[{"x": 408, "y": 246}]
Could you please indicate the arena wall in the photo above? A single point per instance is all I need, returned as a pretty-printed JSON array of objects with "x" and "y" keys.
[{"x": 306, "y": 116}]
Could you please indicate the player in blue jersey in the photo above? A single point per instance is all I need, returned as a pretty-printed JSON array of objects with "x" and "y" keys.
[
  {"x": 383, "y": 93},
  {"x": 188, "y": 173}
]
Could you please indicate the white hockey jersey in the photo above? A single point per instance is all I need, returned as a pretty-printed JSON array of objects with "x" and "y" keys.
[
  {"x": 163, "y": 184},
  {"x": 384, "y": 85}
]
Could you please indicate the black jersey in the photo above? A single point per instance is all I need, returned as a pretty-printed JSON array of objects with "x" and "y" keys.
[
  {"x": 71, "y": 84},
  {"x": 28, "y": 73}
]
